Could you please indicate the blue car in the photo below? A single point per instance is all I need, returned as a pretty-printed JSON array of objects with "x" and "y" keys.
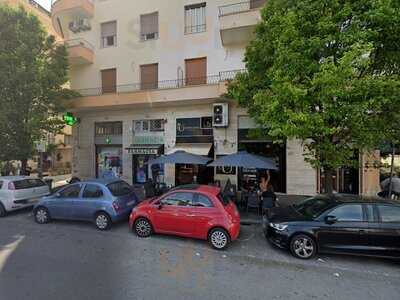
[{"x": 101, "y": 201}]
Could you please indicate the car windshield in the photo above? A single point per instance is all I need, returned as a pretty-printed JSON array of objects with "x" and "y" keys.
[
  {"x": 313, "y": 207},
  {"x": 120, "y": 188}
]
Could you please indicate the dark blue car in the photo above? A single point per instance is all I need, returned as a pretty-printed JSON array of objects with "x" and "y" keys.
[{"x": 100, "y": 201}]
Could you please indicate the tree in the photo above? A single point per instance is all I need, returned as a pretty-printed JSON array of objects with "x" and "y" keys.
[
  {"x": 325, "y": 72},
  {"x": 33, "y": 70}
]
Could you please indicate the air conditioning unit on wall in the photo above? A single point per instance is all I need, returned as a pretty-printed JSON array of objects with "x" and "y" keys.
[{"x": 220, "y": 114}]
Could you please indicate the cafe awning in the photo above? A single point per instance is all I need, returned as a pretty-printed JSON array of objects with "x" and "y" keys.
[
  {"x": 144, "y": 149},
  {"x": 197, "y": 149}
]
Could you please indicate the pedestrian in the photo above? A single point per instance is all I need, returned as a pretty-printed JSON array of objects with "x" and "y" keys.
[{"x": 385, "y": 186}]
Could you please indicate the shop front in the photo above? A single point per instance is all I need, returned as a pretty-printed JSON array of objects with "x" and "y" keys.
[
  {"x": 147, "y": 144},
  {"x": 194, "y": 135},
  {"x": 264, "y": 147},
  {"x": 108, "y": 141}
]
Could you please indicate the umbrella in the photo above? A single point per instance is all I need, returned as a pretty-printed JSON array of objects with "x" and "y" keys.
[
  {"x": 245, "y": 160},
  {"x": 180, "y": 157}
]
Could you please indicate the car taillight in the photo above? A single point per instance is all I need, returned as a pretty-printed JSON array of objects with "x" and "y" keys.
[
  {"x": 11, "y": 186},
  {"x": 116, "y": 206}
]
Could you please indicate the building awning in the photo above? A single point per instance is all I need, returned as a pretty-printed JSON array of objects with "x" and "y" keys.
[
  {"x": 198, "y": 149},
  {"x": 137, "y": 149}
]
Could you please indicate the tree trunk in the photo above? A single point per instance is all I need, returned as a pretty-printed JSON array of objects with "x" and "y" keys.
[
  {"x": 24, "y": 164},
  {"x": 329, "y": 181}
]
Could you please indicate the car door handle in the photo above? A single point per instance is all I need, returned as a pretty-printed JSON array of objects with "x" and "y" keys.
[{"x": 191, "y": 215}]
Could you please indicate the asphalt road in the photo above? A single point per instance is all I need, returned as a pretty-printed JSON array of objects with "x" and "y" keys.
[{"x": 64, "y": 260}]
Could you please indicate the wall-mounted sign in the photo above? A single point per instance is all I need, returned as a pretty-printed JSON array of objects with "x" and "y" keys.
[
  {"x": 143, "y": 151},
  {"x": 148, "y": 140}
]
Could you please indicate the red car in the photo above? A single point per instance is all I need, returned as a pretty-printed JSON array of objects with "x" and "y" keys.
[{"x": 195, "y": 211}]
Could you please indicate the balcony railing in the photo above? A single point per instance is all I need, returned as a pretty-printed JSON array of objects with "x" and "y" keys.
[
  {"x": 162, "y": 85},
  {"x": 240, "y": 7},
  {"x": 78, "y": 42}
]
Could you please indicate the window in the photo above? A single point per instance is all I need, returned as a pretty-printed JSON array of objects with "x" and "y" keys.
[
  {"x": 154, "y": 125},
  {"x": 313, "y": 207},
  {"x": 202, "y": 201},
  {"x": 109, "y": 34},
  {"x": 194, "y": 130},
  {"x": 28, "y": 184},
  {"x": 109, "y": 81},
  {"x": 196, "y": 71},
  {"x": 149, "y": 77},
  {"x": 108, "y": 128},
  {"x": 348, "y": 213},
  {"x": 71, "y": 191},
  {"x": 120, "y": 188},
  {"x": 389, "y": 214},
  {"x": 195, "y": 18},
  {"x": 178, "y": 199},
  {"x": 149, "y": 26},
  {"x": 92, "y": 191}
]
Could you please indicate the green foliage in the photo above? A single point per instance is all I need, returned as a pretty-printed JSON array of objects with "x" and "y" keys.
[
  {"x": 325, "y": 72},
  {"x": 33, "y": 70}
]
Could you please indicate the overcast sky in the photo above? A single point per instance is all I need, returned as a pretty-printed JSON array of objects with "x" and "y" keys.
[{"x": 45, "y": 3}]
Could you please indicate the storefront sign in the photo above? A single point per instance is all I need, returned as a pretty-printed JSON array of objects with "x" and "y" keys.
[
  {"x": 143, "y": 151},
  {"x": 148, "y": 140}
]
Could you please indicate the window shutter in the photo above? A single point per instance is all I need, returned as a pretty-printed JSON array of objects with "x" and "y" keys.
[
  {"x": 109, "y": 29},
  {"x": 149, "y": 24},
  {"x": 196, "y": 71},
  {"x": 109, "y": 80},
  {"x": 149, "y": 76}
]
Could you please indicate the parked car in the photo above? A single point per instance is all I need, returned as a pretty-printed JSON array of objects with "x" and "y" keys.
[
  {"x": 338, "y": 223},
  {"x": 18, "y": 192},
  {"x": 100, "y": 201},
  {"x": 194, "y": 211}
]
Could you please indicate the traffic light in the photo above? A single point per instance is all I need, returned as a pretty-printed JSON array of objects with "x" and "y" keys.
[{"x": 70, "y": 119}]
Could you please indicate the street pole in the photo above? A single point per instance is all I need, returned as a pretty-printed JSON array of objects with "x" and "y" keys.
[
  {"x": 40, "y": 165},
  {"x": 391, "y": 172}
]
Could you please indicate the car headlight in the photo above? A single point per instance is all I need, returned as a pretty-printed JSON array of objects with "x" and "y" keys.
[{"x": 279, "y": 227}]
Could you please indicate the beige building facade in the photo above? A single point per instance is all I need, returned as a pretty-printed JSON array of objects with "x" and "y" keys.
[{"x": 152, "y": 75}]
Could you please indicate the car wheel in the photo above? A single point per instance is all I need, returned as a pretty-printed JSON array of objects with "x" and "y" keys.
[
  {"x": 102, "y": 221},
  {"x": 219, "y": 238},
  {"x": 2, "y": 211},
  {"x": 143, "y": 227},
  {"x": 42, "y": 215},
  {"x": 303, "y": 246}
]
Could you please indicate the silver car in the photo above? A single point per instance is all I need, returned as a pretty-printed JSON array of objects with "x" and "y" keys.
[{"x": 17, "y": 192}]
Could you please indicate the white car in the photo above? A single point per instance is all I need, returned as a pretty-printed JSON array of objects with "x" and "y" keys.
[{"x": 18, "y": 192}]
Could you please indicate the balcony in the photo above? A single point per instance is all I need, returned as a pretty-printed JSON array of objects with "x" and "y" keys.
[
  {"x": 238, "y": 21},
  {"x": 162, "y": 93},
  {"x": 65, "y": 11},
  {"x": 80, "y": 52}
]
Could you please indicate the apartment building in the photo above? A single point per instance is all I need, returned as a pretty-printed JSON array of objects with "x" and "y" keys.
[{"x": 152, "y": 75}]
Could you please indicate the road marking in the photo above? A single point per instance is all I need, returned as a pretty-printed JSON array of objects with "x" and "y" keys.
[{"x": 7, "y": 250}]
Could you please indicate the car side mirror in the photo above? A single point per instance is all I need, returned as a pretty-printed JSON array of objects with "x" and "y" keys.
[{"x": 330, "y": 219}]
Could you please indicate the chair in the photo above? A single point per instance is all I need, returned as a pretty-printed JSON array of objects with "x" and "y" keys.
[{"x": 253, "y": 202}]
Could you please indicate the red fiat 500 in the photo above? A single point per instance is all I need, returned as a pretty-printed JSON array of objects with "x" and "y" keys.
[{"x": 195, "y": 211}]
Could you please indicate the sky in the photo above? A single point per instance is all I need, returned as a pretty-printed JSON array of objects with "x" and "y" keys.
[{"x": 45, "y": 3}]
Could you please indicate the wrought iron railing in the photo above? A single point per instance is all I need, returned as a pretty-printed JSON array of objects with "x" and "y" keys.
[
  {"x": 240, "y": 7},
  {"x": 161, "y": 85},
  {"x": 78, "y": 42}
]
